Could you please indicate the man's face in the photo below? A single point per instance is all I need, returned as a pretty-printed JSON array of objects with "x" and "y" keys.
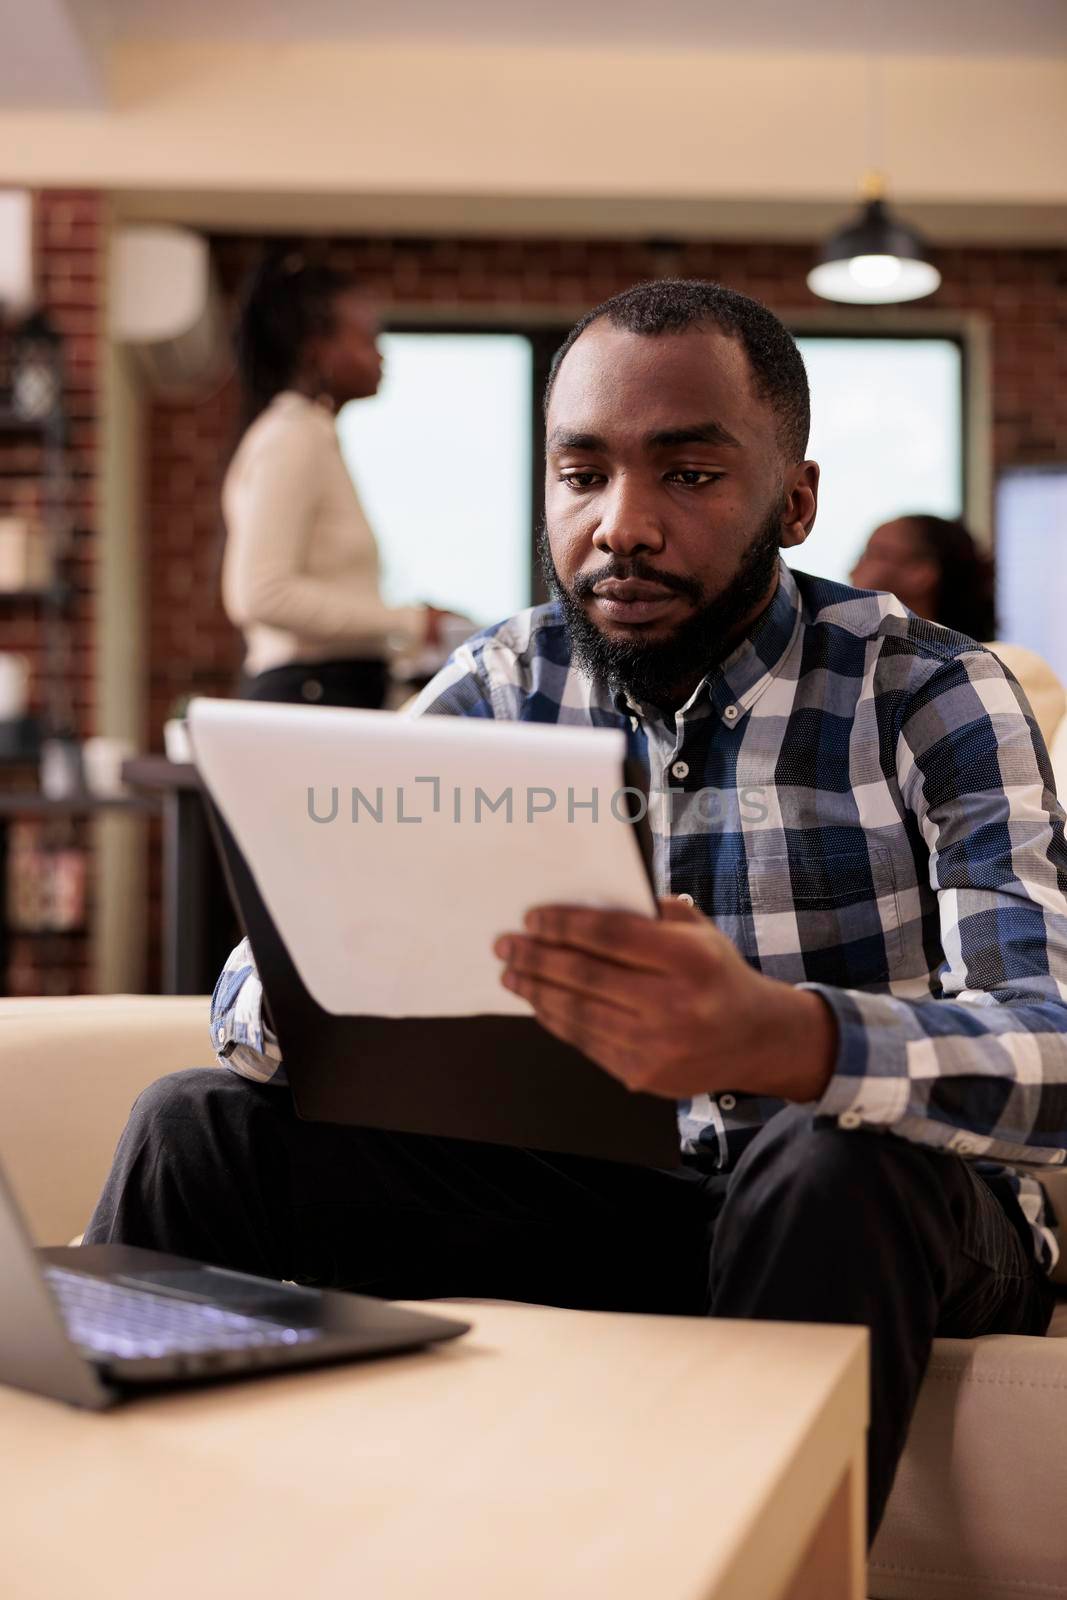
[{"x": 667, "y": 495}]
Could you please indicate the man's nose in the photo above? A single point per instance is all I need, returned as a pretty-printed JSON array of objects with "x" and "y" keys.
[{"x": 629, "y": 522}]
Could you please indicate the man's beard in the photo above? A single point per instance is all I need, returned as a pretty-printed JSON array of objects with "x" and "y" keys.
[{"x": 659, "y": 671}]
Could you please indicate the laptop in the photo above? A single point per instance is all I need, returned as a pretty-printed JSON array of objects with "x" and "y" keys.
[
  {"x": 97, "y": 1324},
  {"x": 372, "y": 932}
]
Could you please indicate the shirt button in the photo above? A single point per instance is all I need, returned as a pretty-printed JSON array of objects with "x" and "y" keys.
[
  {"x": 680, "y": 769},
  {"x": 686, "y": 899},
  {"x": 849, "y": 1119},
  {"x": 727, "y": 1102},
  {"x": 220, "y": 1035},
  {"x": 731, "y": 713}
]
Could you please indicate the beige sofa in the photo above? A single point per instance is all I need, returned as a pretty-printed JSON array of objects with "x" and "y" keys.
[{"x": 979, "y": 1511}]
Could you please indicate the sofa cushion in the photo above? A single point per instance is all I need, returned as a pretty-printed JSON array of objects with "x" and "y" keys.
[
  {"x": 977, "y": 1509},
  {"x": 1058, "y": 755},
  {"x": 69, "y": 1071},
  {"x": 1038, "y": 682}
]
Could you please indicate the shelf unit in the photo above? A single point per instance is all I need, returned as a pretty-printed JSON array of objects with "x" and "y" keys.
[
  {"x": 59, "y": 594},
  {"x": 58, "y": 825},
  {"x": 31, "y": 805},
  {"x": 11, "y": 422},
  {"x": 51, "y": 432}
]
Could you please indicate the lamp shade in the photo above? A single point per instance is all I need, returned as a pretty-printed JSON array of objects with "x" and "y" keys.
[{"x": 875, "y": 260}]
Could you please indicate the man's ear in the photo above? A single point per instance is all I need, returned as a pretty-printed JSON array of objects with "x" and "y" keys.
[{"x": 802, "y": 502}]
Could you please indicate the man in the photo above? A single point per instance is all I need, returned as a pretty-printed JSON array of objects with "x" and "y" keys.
[{"x": 856, "y": 987}]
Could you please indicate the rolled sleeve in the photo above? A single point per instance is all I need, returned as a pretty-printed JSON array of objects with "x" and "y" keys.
[
  {"x": 980, "y": 1068},
  {"x": 240, "y": 1037}
]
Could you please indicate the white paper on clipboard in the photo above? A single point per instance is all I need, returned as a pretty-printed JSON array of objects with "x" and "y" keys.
[{"x": 391, "y": 851}]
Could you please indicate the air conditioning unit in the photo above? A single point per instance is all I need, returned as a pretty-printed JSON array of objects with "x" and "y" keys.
[
  {"x": 16, "y": 253},
  {"x": 165, "y": 305}
]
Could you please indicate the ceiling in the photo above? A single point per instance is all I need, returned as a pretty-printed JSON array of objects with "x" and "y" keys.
[
  {"x": 171, "y": 105},
  {"x": 57, "y": 53},
  {"x": 914, "y": 27}
]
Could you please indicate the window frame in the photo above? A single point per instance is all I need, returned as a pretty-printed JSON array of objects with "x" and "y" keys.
[
  {"x": 971, "y": 334},
  {"x": 547, "y": 326},
  {"x": 545, "y": 340}
]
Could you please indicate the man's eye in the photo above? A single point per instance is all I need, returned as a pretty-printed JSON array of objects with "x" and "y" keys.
[
  {"x": 579, "y": 480},
  {"x": 694, "y": 477}
]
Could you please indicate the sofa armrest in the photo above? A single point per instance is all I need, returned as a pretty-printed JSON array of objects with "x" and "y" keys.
[{"x": 70, "y": 1069}]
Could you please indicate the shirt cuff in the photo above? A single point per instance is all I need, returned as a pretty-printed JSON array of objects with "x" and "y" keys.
[{"x": 870, "y": 1085}]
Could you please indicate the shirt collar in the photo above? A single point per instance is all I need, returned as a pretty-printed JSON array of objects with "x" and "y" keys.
[{"x": 737, "y": 683}]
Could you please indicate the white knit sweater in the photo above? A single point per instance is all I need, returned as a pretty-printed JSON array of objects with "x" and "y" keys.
[{"x": 300, "y": 573}]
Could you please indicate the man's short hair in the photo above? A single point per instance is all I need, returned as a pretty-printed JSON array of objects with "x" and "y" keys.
[{"x": 672, "y": 305}]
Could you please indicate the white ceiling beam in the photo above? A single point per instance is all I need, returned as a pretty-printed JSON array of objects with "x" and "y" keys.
[
  {"x": 587, "y": 217},
  {"x": 680, "y": 129}
]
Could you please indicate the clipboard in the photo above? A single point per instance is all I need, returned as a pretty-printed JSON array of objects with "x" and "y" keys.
[{"x": 487, "y": 1078}]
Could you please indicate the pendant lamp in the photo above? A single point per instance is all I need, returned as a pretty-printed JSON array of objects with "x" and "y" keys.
[{"x": 875, "y": 259}]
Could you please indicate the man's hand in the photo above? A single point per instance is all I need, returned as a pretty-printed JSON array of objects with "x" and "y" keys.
[{"x": 668, "y": 1006}]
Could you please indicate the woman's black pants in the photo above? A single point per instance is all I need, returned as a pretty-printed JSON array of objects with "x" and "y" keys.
[
  {"x": 815, "y": 1224},
  {"x": 320, "y": 683}
]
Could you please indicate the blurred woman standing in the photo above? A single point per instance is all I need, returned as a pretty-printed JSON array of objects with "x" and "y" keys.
[{"x": 300, "y": 571}]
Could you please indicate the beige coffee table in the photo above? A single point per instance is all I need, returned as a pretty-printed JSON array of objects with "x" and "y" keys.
[{"x": 547, "y": 1454}]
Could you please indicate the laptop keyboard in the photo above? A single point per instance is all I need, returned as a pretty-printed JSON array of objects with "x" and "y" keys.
[{"x": 107, "y": 1319}]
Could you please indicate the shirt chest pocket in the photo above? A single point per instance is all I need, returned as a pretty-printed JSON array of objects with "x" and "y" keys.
[{"x": 834, "y": 912}]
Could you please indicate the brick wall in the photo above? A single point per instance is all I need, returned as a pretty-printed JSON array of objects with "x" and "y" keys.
[
  {"x": 70, "y": 262},
  {"x": 1023, "y": 293}
]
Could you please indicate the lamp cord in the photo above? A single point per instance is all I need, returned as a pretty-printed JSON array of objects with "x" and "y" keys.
[{"x": 874, "y": 108}]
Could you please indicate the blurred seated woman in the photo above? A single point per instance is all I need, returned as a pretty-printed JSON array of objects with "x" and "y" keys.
[
  {"x": 300, "y": 570},
  {"x": 935, "y": 568}
]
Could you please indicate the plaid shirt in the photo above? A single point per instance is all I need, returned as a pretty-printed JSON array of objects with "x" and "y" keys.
[{"x": 862, "y": 802}]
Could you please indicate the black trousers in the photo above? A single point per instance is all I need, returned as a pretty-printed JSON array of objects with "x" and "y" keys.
[
  {"x": 814, "y": 1225},
  {"x": 320, "y": 683}
]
